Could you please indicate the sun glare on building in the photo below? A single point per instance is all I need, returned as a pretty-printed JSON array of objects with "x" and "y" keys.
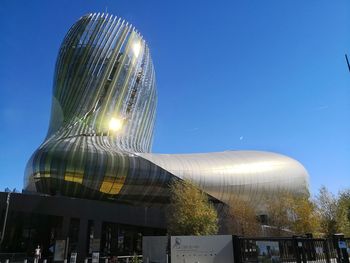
[
  {"x": 115, "y": 124},
  {"x": 136, "y": 48}
]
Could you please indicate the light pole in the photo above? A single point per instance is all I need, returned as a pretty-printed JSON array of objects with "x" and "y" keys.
[{"x": 5, "y": 219}]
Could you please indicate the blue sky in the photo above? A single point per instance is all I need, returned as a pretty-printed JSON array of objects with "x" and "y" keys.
[{"x": 242, "y": 74}]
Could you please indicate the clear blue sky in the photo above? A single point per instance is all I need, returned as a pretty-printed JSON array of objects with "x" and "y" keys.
[{"x": 241, "y": 74}]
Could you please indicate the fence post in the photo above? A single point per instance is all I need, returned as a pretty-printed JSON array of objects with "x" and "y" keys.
[
  {"x": 168, "y": 249},
  {"x": 326, "y": 250},
  {"x": 309, "y": 246},
  {"x": 237, "y": 252},
  {"x": 297, "y": 251}
]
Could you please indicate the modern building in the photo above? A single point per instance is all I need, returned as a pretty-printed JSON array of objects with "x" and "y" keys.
[
  {"x": 101, "y": 130},
  {"x": 98, "y": 145}
]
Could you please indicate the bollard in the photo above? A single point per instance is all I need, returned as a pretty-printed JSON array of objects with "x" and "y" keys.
[
  {"x": 65, "y": 261},
  {"x": 25, "y": 261},
  {"x": 106, "y": 260},
  {"x": 86, "y": 260},
  {"x": 45, "y": 261},
  {"x": 7, "y": 261}
]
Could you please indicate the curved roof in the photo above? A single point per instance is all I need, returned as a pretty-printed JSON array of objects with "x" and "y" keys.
[{"x": 249, "y": 174}]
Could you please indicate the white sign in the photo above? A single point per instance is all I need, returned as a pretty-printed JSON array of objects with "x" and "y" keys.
[{"x": 201, "y": 249}]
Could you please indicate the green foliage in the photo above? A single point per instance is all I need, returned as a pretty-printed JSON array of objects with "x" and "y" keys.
[{"x": 190, "y": 212}]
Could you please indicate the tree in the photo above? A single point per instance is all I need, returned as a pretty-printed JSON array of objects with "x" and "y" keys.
[
  {"x": 304, "y": 216},
  {"x": 292, "y": 213},
  {"x": 190, "y": 212},
  {"x": 343, "y": 213},
  {"x": 242, "y": 219},
  {"x": 278, "y": 212},
  {"x": 326, "y": 205}
]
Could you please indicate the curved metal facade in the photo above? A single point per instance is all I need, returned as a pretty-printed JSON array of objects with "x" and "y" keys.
[
  {"x": 251, "y": 175},
  {"x": 100, "y": 135},
  {"x": 104, "y": 70}
]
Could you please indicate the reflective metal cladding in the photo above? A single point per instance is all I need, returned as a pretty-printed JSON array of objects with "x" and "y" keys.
[{"x": 101, "y": 129}]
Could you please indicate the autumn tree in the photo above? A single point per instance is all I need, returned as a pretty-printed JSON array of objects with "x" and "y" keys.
[
  {"x": 304, "y": 217},
  {"x": 326, "y": 205},
  {"x": 295, "y": 214},
  {"x": 190, "y": 212},
  {"x": 343, "y": 213},
  {"x": 278, "y": 212},
  {"x": 242, "y": 218}
]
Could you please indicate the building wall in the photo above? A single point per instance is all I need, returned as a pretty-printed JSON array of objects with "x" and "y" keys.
[{"x": 112, "y": 229}]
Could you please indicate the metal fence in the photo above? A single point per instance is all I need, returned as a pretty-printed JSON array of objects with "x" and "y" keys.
[
  {"x": 292, "y": 249},
  {"x": 22, "y": 258},
  {"x": 12, "y": 257},
  {"x": 252, "y": 250}
]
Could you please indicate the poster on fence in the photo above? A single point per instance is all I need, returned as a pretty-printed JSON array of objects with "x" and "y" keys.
[
  {"x": 60, "y": 246},
  {"x": 95, "y": 258},
  {"x": 319, "y": 250},
  {"x": 73, "y": 257},
  {"x": 268, "y": 251}
]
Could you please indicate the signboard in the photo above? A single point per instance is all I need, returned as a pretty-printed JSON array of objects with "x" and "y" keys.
[
  {"x": 268, "y": 251},
  {"x": 203, "y": 249},
  {"x": 73, "y": 257},
  {"x": 59, "y": 250},
  {"x": 95, "y": 257}
]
